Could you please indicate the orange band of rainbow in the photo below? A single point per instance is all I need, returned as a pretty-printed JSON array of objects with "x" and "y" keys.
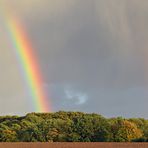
[{"x": 31, "y": 71}]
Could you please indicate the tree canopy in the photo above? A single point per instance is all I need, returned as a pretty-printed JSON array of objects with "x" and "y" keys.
[{"x": 71, "y": 127}]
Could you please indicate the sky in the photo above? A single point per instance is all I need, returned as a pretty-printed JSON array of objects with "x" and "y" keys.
[{"x": 93, "y": 55}]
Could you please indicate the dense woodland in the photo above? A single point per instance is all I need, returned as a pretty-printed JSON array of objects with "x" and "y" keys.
[{"x": 71, "y": 127}]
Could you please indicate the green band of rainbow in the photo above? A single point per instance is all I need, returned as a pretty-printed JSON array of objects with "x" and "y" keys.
[{"x": 31, "y": 71}]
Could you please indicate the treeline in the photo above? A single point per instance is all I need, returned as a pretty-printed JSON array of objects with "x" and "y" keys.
[{"x": 72, "y": 127}]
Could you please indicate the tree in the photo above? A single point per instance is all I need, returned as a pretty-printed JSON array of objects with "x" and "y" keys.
[
  {"x": 55, "y": 129},
  {"x": 71, "y": 127},
  {"x": 7, "y": 134},
  {"x": 92, "y": 128},
  {"x": 125, "y": 131},
  {"x": 142, "y": 124}
]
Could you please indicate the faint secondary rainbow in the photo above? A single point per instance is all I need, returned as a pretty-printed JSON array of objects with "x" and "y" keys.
[{"x": 29, "y": 66}]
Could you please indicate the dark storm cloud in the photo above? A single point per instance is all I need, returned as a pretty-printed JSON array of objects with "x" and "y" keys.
[{"x": 98, "y": 48}]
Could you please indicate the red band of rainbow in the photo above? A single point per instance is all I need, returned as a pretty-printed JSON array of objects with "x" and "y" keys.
[{"x": 31, "y": 71}]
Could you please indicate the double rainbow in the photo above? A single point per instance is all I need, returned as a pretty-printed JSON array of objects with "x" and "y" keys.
[{"x": 29, "y": 65}]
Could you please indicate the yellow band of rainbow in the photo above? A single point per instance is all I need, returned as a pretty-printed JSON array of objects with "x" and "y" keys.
[{"x": 30, "y": 66}]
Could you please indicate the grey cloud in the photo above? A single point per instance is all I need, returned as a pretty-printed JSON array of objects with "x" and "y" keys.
[
  {"x": 80, "y": 98},
  {"x": 98, "y": 47}
]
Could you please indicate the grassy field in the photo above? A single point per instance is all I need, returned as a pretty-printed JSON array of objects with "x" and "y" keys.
[{"x": 73, "y": 145}]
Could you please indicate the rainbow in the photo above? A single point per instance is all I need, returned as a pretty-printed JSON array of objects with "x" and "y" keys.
[{"x": 29, "y": 66}]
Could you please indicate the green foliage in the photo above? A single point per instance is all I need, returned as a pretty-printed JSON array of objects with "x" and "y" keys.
[
  {"x": 91, "y": 128},
  {"x": 7, "y": 134},
  {"x": 141, "y": 124},
  {"x": 142, "y": 139},
  {"x": 125, "y": 131},
  {"x": 71, "y": 127}
]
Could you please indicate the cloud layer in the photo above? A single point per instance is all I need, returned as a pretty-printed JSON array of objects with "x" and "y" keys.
[{"x": 96, "y": 47}]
